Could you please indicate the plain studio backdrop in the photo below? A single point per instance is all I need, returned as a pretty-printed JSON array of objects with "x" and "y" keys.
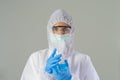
[{"x": 23, "y": 30}]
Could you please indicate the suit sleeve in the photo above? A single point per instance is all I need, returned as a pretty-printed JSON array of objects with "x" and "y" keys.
[
  {"x": 30, "y": 71},
  {"x": 90, "y": 72}
]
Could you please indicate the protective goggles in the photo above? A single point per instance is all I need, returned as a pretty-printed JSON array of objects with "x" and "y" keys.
[{"x": 64, "y": 28}]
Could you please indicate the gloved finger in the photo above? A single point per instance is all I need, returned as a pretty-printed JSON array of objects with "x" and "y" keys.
[
  {"x": 58, "y": 69},
  {"x": 50, "y": 66},
  {"x": 66, "y": 62},
  {"x": 52, "y": 60},
  {"x": 54, "y": 71},
  {"x": 53, "y": 65},
  {"x": 53, "y": 53},
  {"x": 58, "y": 56},
  {"x": 55, "y": 61},
  {"x": 48, "y": 70}
]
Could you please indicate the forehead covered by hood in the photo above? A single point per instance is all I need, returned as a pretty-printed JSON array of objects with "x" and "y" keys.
[{"x": 60, "y": 15}]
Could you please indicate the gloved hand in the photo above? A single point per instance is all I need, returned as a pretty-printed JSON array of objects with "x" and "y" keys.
[
  {"x": 61, "y": 71},
  {"x": 52, "y": 61}
]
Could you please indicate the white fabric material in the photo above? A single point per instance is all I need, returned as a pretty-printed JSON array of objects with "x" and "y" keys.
[
  {"x": 61, "y": 43},
  {"x": 80, "y": 65},
  {"x": 63, "y": 46}
]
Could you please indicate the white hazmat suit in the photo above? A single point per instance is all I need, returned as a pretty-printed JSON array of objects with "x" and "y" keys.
[{"x": 81, "y": 67}]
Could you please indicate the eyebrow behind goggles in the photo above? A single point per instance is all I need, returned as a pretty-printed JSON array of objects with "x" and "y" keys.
[
  {"x": 62, "y": 26},
  {"x": 65, "y": 27}
]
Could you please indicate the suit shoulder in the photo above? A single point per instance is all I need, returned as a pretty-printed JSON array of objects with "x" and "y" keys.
[
  {"x": 39, "y": 53},
  {"x": 82, "y": 56}
]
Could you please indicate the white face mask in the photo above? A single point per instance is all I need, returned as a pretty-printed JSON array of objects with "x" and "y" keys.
[
  {"x": 60, "y": 42},
  {"x": 55, "y": 38}
]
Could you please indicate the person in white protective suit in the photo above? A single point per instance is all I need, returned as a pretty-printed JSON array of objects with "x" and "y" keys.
[{"x": 60, "y": 61}]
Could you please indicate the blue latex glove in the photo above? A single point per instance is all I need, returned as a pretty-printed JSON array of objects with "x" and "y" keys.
[
  {"x": 61, "y": 71},
  {"x": 52, "y": 61}
]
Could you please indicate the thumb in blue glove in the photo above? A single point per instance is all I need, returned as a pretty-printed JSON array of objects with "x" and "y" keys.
[{"x": 61, "y": 71}]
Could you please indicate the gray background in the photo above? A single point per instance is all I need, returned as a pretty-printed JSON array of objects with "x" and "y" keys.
[{"x": 23, "y": 31}]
